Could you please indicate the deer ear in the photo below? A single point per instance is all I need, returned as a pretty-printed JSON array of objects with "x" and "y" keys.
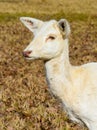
[
  {"x": 65, "y": 27},
  {"x": 31, "y": 23}
]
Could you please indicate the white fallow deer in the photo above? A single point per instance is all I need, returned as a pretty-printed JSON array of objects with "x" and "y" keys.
[{"x": 75, "y": 86}]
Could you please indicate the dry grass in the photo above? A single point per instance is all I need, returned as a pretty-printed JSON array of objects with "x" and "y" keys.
[
  {"x": 25, "y": 101},
  {"x": 49, "y": 6}
]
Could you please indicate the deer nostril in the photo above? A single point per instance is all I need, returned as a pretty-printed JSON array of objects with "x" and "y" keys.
[{"x": 26, "y": 53}]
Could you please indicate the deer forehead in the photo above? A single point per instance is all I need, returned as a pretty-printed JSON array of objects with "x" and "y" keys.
[{"x": 50, "y": 27}]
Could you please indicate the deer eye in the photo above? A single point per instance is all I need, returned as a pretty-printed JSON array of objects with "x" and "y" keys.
[{"x": 50, "y": 38}]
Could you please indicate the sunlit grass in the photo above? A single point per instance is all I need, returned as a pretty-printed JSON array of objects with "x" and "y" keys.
[{"x": 6, "y": 17}]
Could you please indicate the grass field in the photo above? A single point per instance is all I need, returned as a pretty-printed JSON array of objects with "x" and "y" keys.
[{"x": 25, "y": 100}]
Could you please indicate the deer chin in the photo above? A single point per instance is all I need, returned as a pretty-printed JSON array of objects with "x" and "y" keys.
[{"x": 31, "y": 58}]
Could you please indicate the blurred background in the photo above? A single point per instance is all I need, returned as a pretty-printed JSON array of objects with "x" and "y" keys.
[{"x": 25, "y": 100}]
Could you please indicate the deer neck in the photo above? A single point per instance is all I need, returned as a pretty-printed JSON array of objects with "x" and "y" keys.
[{"x": 59, "y": 68}]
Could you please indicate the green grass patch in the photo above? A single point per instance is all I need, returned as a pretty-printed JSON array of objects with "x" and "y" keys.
[{"x": 6, "y": 17}]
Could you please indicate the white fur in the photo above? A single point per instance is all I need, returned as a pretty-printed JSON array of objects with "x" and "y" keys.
[{"x": 75, "y": 86}]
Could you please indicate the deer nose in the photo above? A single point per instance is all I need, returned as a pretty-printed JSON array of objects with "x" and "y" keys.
[{"x": 26, "y": 53}]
